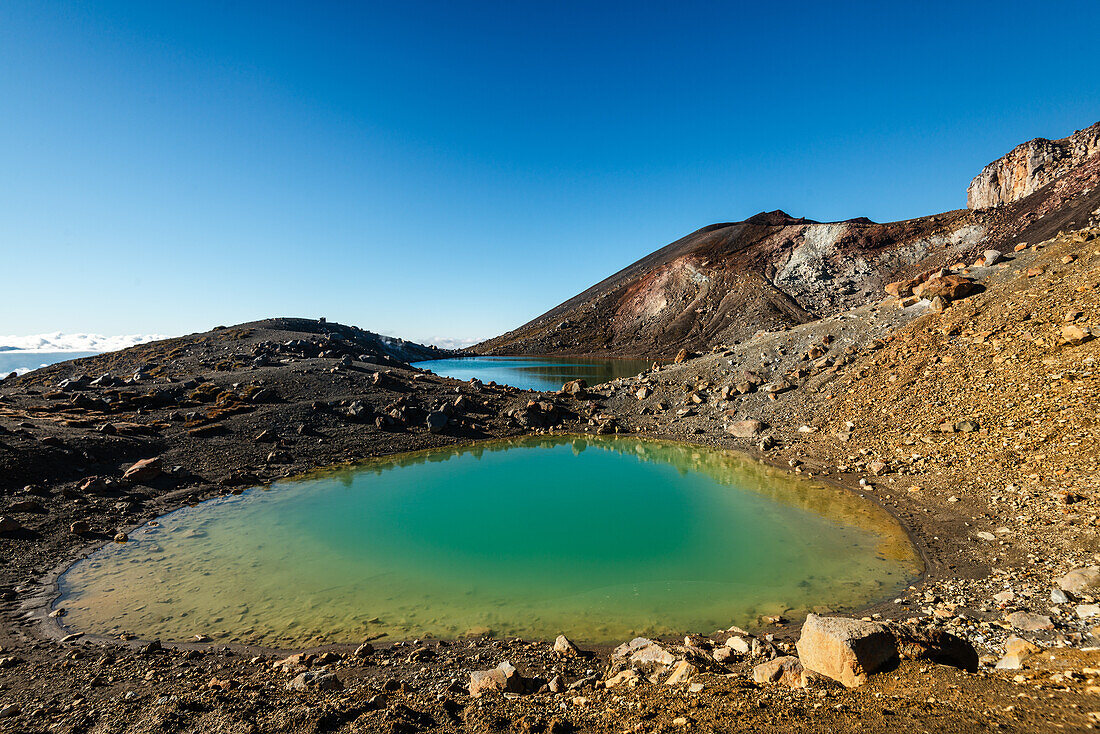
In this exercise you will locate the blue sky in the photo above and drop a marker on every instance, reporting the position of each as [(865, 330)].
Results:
[(452, 169)]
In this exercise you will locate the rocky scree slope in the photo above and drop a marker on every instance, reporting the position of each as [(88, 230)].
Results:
[(726, 282)]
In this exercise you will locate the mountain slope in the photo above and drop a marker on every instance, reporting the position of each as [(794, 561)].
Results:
[(725, 282)]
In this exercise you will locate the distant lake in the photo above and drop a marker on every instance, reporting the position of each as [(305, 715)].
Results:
[(535, 373), (21, 361)]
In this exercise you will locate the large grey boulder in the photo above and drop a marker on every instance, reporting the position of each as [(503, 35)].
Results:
[(846, 650)]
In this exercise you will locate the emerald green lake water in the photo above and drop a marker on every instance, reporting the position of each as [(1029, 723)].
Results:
[(599, 538), (535, 373)]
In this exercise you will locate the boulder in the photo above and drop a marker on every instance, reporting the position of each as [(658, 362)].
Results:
[(787, 670), (1016, 651), (846, 650), (947, 287), (1080, 580), (144, 470), (502, 678), (991, 257)]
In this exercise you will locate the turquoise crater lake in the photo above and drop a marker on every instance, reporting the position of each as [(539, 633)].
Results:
[(535, 373), (600, 538)]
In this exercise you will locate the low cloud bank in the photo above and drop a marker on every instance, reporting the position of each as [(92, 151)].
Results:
[(58, 342), (447, 342)]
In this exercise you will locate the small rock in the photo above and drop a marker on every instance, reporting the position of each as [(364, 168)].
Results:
[(1080, 580), (9, 524), (681, 673), (574, 387), (787, 669), (1072, 335), (502, 678), (436, 421), (320, 680), (143, 471), (1084, 611), (1029, 622), (629, 677), (564, 646), (739, 645), (745, 429)]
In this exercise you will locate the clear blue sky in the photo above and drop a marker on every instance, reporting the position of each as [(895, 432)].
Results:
[(455, 169)]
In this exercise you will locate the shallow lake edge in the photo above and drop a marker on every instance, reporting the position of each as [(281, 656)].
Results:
[(38, 604)]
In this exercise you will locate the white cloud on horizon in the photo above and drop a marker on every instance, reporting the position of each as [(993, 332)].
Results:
[(59, 342), (448, 342)]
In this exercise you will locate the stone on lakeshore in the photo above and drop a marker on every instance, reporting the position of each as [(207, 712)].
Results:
[(1029, 622), (681, 673), (846, 650), (364, 651), (745, 429), (502, 678), (1080, 580), (574, 387), (320, 680), (437, 421), (564, 646), (644, 654), (143, 471), (787, 669), (722, 654), (739, 645)]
